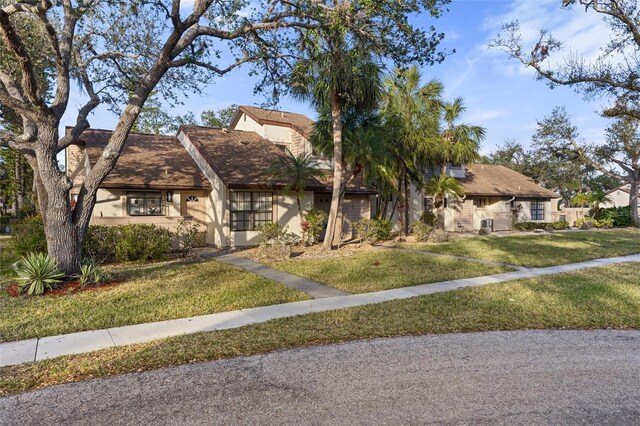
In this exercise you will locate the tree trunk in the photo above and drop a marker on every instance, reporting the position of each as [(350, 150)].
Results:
[(633, 199), (407, 201), (19, 175), (402, 203), (336, 116), (443, 169), (64, 239)]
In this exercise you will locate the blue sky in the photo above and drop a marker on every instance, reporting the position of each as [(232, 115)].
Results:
[(500, 94)]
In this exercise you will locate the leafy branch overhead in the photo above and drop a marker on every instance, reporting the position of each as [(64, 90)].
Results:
[(614, 74)]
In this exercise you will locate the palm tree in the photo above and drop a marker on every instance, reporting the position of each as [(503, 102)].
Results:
[(297, 173), (341, 74), (442, 188), (412, 112), (460, 142)]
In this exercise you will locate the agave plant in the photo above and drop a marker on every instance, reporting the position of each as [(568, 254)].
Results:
[(90, 273), (37, 272)]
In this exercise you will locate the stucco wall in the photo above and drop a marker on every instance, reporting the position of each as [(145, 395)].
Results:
[(76, 165), (618, 197)]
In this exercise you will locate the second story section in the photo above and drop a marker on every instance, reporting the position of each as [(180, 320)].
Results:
[(287, 130)]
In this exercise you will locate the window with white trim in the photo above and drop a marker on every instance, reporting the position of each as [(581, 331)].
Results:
[(144, 203), (250, 209)]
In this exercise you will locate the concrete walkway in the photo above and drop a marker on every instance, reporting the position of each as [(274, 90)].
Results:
[(312, 288), (18, 352), (453, 256)]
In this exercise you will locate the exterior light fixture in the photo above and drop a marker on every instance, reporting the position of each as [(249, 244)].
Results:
[(169, 196)]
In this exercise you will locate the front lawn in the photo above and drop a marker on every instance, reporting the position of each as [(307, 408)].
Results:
[(607, 297), (152, 292), (376, 269), (557, 248)]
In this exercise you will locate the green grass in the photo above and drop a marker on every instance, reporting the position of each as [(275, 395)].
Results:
[(152, 292), (542, 250), (607, 297), (376, 269)]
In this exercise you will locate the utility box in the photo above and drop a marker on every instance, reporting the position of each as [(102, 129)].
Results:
[(502, 221)]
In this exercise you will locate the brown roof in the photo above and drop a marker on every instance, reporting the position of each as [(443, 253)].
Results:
[(299, 122), (146, 162), (241, 159), (493, 180)]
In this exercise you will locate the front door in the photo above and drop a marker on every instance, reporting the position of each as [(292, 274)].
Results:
[(193, 206)]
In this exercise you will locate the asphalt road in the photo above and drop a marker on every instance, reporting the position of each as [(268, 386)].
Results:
[(560, 377)]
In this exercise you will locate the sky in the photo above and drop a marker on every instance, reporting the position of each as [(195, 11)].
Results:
[(500, 94)]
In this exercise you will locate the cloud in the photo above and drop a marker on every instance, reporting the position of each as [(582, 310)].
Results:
[(582, 33)]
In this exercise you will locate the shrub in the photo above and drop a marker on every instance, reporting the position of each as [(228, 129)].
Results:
[(484, 231), (531, 226), (373, 230), (589, 222), (314, 221), (428, 218), (421, 231), (37, 272), (142, 242), (100, 243), (187, 235), (619, 216), (274, 234), (27, 236), (439, 236)]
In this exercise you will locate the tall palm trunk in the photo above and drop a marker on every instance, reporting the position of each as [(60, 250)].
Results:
[(336, 117), (634, 198), (402, 202)]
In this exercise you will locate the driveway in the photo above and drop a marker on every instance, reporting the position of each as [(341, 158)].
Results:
[(530, 377)]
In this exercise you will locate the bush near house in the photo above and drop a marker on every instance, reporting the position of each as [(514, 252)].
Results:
[(373, 230), (589, 223), (28, 236), (531, 226), (117, 243), (619, 216)]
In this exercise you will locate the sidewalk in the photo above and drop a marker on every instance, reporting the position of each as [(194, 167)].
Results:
[(18, 352)]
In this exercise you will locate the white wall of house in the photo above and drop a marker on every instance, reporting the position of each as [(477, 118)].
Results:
[(619, 198)]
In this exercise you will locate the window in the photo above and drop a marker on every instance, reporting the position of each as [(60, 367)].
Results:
[(481, 202), (192, 199), (250, 210), (428, 203), (537, 209), (144, 203)]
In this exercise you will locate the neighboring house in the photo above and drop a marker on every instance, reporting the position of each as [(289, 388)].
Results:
[(495, 196), (619, 197), (216, 177)]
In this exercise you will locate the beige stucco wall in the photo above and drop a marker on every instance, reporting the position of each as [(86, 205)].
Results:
[(619, 198), (76, 163)]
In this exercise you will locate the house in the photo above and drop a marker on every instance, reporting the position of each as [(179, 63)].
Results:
[(496, 197), (216, 177), (219, 179), (619, 197)]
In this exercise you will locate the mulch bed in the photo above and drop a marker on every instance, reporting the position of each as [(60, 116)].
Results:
[(69, 287)]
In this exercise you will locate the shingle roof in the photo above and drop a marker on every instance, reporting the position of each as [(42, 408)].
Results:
[(494, 180), (299, 122), (147, 161), (241, 159)]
